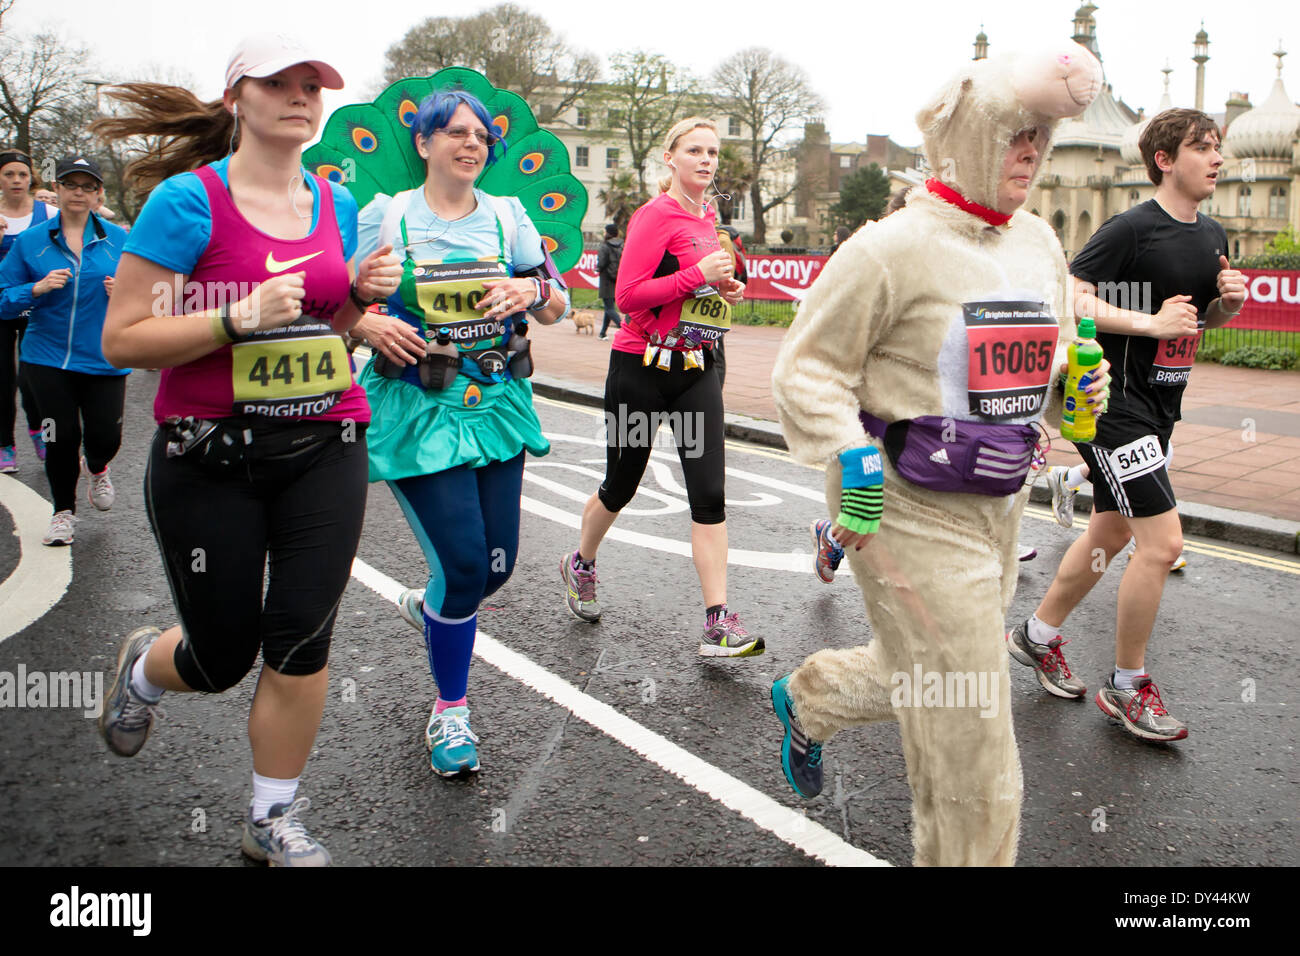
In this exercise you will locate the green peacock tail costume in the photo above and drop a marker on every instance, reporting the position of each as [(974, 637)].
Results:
[(367, 148)]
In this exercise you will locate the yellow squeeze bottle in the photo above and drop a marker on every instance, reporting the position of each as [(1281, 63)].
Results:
[(1078, 421)]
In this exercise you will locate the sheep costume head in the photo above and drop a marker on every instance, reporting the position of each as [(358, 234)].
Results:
[(970, 124)]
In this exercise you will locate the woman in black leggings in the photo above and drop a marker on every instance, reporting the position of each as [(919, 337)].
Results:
[(61, 275), (676, 285), (258, 470)]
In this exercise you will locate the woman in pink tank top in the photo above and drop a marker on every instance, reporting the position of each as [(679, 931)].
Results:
[(235, 283)]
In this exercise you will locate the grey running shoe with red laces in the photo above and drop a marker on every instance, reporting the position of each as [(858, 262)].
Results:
[(1047, 661), (1141, 710)]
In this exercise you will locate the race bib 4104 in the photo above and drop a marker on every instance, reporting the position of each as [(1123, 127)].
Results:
[(449, 294), (1011, 346)]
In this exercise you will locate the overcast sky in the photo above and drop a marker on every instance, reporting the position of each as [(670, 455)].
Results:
[(872, 62)]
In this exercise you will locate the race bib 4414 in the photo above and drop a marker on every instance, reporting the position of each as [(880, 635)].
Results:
[(1011, 345)]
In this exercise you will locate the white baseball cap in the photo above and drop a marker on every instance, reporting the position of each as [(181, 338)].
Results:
[(263, 54)]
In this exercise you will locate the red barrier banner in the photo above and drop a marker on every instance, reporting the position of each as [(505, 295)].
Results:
[(1272, 295), (1272, 301), (778, 278)]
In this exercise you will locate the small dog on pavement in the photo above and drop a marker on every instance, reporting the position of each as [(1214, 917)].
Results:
[(584, 320)]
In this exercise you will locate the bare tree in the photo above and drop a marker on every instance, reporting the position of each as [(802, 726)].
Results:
[(645, 97), (773, 98), (513, 47), (40, 77)]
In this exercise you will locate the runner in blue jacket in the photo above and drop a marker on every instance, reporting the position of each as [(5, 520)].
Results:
[(62, 271)]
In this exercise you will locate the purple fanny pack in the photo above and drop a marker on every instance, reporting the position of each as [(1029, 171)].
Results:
[(944, 454)]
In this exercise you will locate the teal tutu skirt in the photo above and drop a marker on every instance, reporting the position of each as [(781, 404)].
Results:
[(416, 432)]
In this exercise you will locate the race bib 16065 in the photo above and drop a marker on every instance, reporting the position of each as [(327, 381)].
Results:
[(1011, 346)]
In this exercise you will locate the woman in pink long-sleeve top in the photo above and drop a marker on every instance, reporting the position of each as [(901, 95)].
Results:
[(675, 283)]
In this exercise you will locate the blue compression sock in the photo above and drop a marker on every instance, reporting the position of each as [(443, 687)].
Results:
[(450, 645)]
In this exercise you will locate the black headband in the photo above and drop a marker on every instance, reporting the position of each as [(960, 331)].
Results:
[(14, 156)]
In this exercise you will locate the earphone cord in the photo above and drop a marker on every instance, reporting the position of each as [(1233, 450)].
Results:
[(294, 183)]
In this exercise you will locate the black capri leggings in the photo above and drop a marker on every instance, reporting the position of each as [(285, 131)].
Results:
[(215, 530), (637, 399), (80, 410)]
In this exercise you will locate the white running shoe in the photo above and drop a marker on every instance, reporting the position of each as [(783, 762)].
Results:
[(102, 494), (1062, 495), (62, 529)]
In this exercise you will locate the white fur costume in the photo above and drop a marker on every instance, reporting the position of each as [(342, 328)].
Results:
[(882, 330)]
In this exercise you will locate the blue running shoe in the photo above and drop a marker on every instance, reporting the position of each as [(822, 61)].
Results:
[(801, 758), (451, 743), (829, 556)]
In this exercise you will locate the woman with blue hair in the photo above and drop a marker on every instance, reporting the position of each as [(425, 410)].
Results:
[(452, 410)]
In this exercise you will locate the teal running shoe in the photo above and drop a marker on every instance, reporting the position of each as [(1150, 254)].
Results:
[(451, 743), (801, 758)]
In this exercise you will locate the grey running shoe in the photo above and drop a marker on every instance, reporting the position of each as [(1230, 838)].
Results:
[(127, 718), (62, 530), (1062, 495), (726, 638), (101, 490), (1141, 709), (580, 589), (281, 839), (411, 606), (1047, 661)]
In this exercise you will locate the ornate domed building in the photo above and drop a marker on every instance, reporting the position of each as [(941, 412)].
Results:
[(1095, 169), (1259, 187)]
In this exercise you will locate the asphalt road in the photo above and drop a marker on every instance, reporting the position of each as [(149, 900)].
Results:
[(587, 781)]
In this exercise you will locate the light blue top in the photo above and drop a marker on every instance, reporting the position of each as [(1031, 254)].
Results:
[(472, 237)]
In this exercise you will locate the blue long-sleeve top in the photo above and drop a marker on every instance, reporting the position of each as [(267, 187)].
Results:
[(64, 326)]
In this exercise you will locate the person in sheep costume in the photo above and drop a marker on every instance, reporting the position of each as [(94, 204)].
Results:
[(937, 337)]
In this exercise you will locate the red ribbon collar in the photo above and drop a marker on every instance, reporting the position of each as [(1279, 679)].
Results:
[(950, 195)]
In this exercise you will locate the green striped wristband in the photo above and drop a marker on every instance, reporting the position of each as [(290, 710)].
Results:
[(860, 509)]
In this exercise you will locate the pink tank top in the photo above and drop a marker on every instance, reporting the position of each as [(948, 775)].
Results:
[(301, 371)]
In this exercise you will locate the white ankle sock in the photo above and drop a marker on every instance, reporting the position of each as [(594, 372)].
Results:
[(268, 791), (1124, 677), (140, 684), (1039, 632), (1075, 476)]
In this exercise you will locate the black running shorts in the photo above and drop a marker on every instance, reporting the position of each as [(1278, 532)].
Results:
[(1131, 478)]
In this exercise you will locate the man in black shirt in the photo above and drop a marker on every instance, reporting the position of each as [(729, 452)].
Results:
[(1154, 278)]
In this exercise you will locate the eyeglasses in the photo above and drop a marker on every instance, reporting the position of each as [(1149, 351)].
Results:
[(461, 133), (88, 188)]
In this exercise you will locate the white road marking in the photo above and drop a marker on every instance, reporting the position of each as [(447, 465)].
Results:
[(800, 562), (794, 828), (43, 573)]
